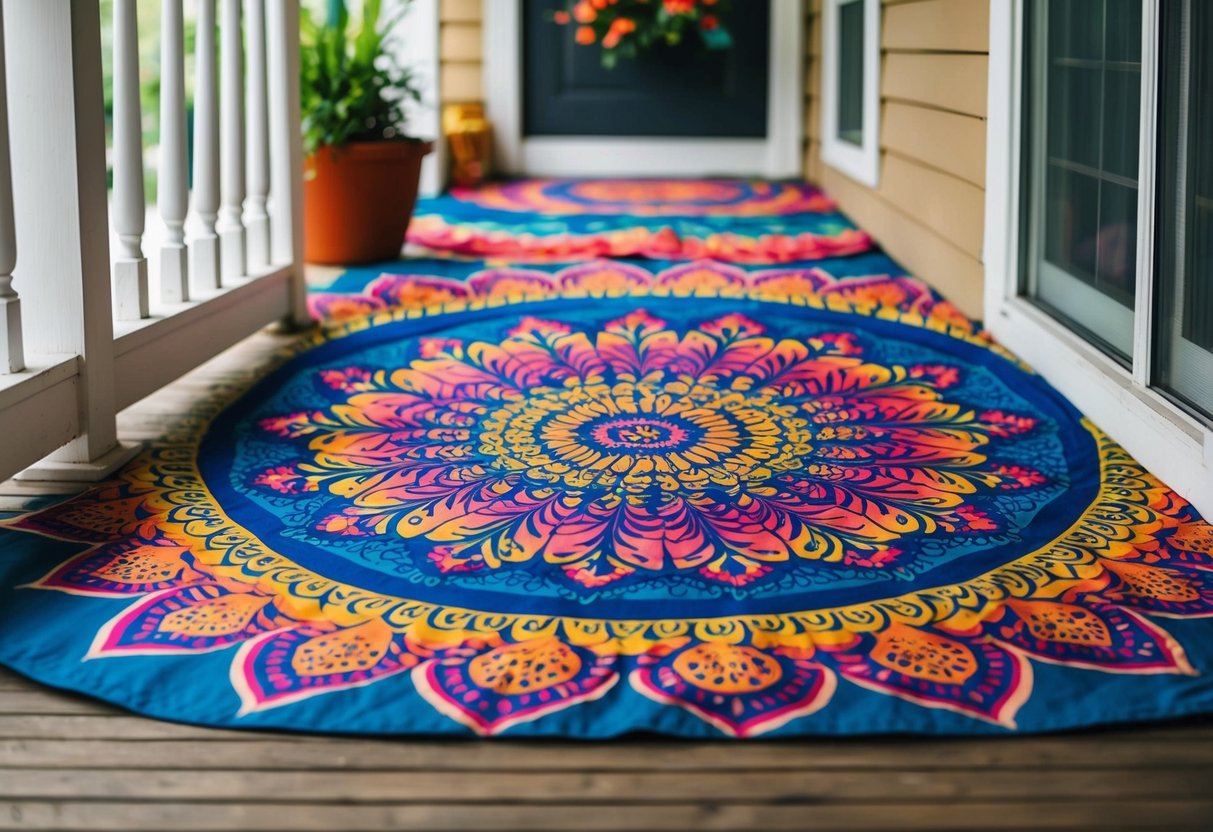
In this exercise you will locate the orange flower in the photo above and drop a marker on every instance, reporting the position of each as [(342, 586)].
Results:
[(583, 12), (599, 4), (619, 27), (585, 35), (561, 17), (673, 7)]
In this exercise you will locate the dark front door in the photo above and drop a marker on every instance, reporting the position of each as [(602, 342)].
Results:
[(686, 90)]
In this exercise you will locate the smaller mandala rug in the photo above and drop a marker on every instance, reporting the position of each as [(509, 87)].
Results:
[(544, 220), (580, 502)]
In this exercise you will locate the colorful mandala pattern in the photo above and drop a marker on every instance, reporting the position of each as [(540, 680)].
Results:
[(639, 449), (531, 436), (649, 197), (763, 243), (899, 294), (735, 221)]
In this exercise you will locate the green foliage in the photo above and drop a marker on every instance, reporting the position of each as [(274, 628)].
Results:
[(353, 87)]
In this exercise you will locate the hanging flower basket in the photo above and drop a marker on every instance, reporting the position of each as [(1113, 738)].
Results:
[(626, 28)]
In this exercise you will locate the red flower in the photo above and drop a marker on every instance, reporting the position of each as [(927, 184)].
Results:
[(673, 7), (709, 22), (585, 35)]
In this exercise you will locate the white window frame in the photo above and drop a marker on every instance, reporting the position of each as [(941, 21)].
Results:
[(1169, 441), (778, 155), (861, 163)]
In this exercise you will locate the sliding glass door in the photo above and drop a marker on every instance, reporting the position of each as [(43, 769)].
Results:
[(1083, 108), (1184, 323), (1094, 199)]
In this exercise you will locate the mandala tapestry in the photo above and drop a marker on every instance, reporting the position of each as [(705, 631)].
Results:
[(701, 501)]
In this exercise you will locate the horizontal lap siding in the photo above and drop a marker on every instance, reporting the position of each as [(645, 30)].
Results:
[(928, 210), (461, 51)]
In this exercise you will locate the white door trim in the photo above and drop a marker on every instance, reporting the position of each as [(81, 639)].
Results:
[(860, 162), (779, 155), (1164, 438)]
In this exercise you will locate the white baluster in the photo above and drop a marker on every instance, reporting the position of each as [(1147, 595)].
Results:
[(204, 266), (130, 266), (173, 185), (12, 351), (231, 222), (53, 60), (257, 218), (286, 160)]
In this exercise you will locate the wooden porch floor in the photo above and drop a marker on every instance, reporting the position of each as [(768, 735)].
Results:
[(70, 763)]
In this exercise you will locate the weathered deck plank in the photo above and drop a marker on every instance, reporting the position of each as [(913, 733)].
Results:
[(634, 787), (118, 815)]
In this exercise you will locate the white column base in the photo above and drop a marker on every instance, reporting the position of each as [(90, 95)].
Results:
[(95, 470), (258, 236), (174, 274), (130, 290), (233, 244), (12, 343), (204, 266)]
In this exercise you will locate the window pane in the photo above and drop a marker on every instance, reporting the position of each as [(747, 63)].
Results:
[(850, 72), (1082, 115), (1184, 333)]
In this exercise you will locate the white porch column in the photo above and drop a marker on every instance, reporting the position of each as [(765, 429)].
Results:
[(204, 267), (130, 266), (12, 349), (54, 73), (172, 193), (286, 162), (257, 218), (231, 96)]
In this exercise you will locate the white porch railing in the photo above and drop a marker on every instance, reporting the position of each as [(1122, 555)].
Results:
[(81, 337)]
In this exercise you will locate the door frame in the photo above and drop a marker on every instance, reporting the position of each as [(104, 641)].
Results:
[(1165, 438), (779, 155)]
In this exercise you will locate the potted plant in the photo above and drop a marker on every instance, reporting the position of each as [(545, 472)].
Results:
[(360, 170)]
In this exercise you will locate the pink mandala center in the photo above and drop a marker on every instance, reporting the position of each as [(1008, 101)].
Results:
[(639, 434)]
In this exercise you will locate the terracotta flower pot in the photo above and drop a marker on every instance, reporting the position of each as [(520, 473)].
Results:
[(358, 200)]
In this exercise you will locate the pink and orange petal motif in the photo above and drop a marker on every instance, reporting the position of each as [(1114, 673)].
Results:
[(975, 678), (1095, 635), (122, 569), (336, 306), (706, 276), (740, 690), (507, 282), (604, 277), (415, 291), (197, 618), (293, 664), (1183, 591), (490, 688)]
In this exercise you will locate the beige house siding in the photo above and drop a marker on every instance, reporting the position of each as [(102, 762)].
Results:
[(928, 210), (460, 51), (929, 207)]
